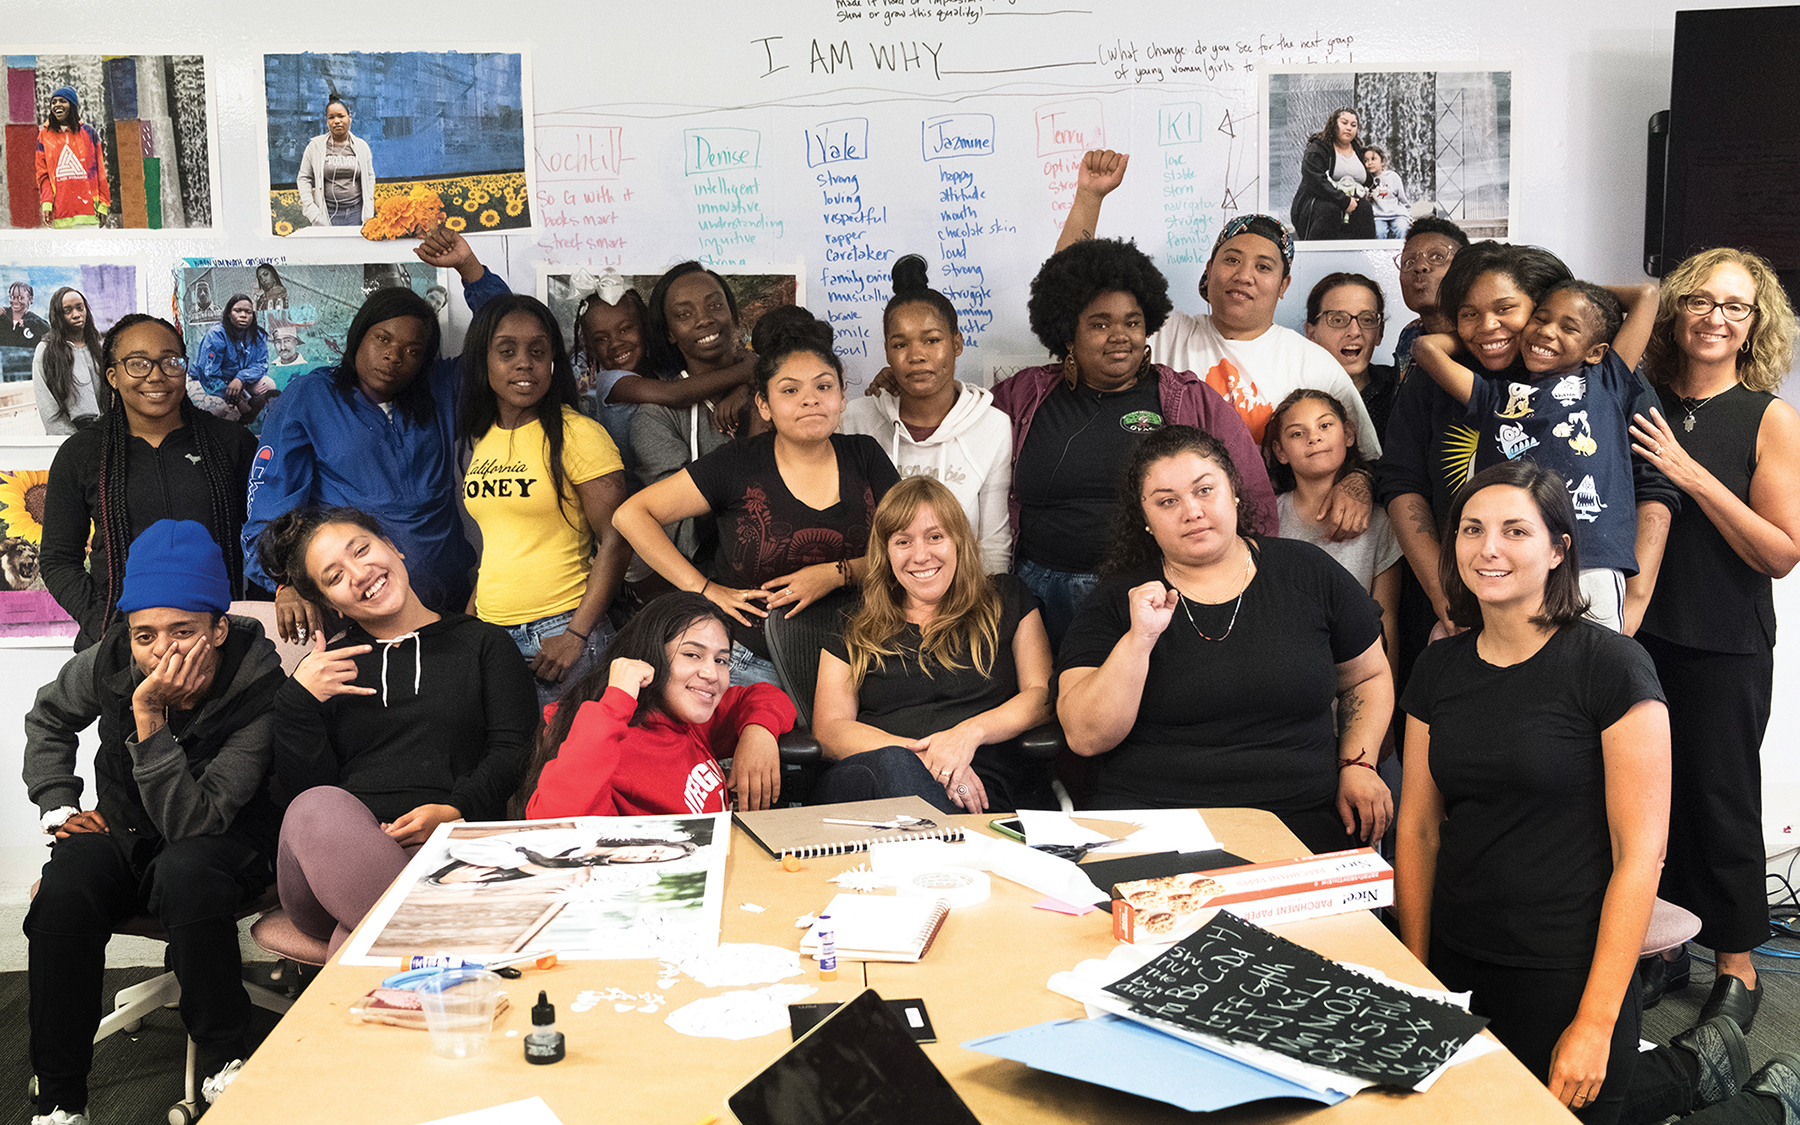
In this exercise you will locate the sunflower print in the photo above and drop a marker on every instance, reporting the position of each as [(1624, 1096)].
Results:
[(22, 503)]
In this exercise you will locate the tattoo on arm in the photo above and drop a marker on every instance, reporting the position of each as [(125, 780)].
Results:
[(1356, 486), (1350, 705), (1085, 236)]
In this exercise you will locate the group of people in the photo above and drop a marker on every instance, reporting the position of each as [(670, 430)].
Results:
[(1185, 539)]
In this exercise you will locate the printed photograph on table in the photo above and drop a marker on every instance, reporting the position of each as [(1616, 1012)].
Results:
[(252, 325), (27, 611), (50, 329), (388, 144), (1355, 154), (108, 141), (589, 888), (564, 288)]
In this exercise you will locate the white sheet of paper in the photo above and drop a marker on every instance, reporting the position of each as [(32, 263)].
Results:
[(742, 962), (530, 1111), (739, 1015), (1160, 830), (1047, 826)]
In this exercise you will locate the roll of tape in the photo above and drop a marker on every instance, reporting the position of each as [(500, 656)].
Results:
[(958, 885)]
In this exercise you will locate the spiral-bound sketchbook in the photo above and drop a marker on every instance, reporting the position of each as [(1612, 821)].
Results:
[(803, 831), (879, 927)]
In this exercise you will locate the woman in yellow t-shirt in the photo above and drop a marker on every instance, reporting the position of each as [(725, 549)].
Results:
[(542, 482)]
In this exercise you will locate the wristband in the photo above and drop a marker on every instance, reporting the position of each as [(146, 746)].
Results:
[(1345, 763), (843, 572), (703, 587), (571, 630), (56, 818)]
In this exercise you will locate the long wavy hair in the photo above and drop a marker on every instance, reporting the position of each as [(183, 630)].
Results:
[(1133, 544), (59, 357), (966, 630), (1281, 476), (1769, 348), (480, 408)]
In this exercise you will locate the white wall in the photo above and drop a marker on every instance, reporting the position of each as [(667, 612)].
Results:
[(1586, 79)]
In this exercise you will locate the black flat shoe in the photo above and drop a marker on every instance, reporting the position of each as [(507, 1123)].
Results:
[(1731, 999), (1723, 1057), (1658, 976), (1779, 1078)]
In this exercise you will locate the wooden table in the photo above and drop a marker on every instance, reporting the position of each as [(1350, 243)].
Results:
[(985, 974)]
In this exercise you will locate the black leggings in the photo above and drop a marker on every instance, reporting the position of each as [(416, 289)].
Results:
[(1528, 1009)]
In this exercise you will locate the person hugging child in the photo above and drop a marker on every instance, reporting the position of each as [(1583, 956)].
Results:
[(1580, 351), (1393, 209)]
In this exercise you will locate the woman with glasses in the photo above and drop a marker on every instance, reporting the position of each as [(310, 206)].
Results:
[(1345, 314), (1722, 342), (152, 456)]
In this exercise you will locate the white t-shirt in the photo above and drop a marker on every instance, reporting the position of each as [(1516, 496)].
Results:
[(1255, 375), (1364, 557)]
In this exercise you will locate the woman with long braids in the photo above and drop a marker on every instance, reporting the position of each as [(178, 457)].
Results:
[(153, 456), (65, 369)]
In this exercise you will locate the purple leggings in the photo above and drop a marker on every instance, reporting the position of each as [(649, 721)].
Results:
[(334, 862)]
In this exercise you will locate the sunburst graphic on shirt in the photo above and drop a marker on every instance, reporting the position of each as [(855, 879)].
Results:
[(1460, 443)]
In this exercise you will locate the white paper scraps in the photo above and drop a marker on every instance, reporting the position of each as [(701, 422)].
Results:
[(1160, 830), (622, 1001), (1047, 826), (739, 1015), (750, 908), (861, 879), (806, 921), (530, 1111), (512, 1033), (897, 860), (734, 963)]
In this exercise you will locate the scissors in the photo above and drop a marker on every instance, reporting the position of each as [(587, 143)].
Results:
[(901, 821)]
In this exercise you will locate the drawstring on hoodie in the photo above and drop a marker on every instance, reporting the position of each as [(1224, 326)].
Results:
[(387, 646)]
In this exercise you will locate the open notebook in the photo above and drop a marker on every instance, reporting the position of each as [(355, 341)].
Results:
[(804, 832), (880, 927)]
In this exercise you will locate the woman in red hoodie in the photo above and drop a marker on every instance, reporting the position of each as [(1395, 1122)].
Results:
[(622, 750)]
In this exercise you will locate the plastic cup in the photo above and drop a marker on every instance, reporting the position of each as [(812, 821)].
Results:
[(459, 1010)]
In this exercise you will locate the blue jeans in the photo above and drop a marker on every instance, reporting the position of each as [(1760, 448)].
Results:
[(346, 217), (748, 668), (1391, 226), (530, 638), (892, 771), (1061, 591)]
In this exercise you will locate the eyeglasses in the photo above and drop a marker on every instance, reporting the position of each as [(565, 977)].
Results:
[(140, 366), (1696, 305), (1436, 259), (1338, 320)]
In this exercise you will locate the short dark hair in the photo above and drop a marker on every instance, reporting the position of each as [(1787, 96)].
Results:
[(385, 304), (282, 544), (1131, 543), (1331, 281), (912, 287), (786, 331), (1563, 600), (1071, 278), (1605, 314), (1377, 150), (1432, 224), (1533, 269), (662, 358)]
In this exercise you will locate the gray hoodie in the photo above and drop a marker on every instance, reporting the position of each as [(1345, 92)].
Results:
[(970, 454)]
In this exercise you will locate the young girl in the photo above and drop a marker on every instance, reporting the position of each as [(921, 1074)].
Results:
[(793, 506), (643, 733), (154, 456), (542, 484), (934, 425), (65, 369), (1309, 448), (231, 378), (375, 749)]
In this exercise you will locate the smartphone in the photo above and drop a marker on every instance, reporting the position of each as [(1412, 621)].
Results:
[(1011, 828)]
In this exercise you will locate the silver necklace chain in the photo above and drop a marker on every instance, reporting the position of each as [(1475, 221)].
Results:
[(1237, 603)]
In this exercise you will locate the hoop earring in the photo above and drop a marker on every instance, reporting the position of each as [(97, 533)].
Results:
[(1071, 371)]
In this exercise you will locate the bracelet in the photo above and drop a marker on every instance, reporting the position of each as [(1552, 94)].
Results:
[(703, 587), (1344, 763), (571, 629), (843, 572)]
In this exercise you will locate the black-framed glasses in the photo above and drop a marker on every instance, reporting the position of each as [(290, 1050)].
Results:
[(1694, 304), (1337, 320), (140, 366), (1436, 259)]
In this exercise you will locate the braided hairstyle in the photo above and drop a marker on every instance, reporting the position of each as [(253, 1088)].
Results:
[(113, 521)]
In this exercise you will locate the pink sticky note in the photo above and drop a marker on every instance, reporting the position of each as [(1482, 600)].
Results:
[(1062, 907)]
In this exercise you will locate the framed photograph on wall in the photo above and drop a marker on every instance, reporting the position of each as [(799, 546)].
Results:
[(1354, 154), (61, 298)]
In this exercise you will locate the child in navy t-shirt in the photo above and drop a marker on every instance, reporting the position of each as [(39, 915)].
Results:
[(1573, 416)]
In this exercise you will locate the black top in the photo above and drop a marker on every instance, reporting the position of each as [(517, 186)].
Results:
[(1067, 475), (1246, 720), (449, 724), (765, 532), (1707, 597), (910, 700), (1525, 853), (1378, 395), (163, 482)]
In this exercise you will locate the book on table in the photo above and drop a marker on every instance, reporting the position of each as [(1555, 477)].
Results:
[(809, 831), (880, 927)]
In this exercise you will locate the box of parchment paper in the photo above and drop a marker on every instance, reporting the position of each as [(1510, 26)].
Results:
[(1287, 890)]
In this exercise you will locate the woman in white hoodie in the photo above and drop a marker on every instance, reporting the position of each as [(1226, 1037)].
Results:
[(937, 426)]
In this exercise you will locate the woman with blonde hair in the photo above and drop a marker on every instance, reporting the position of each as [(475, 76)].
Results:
[(1723, 340), (939, 667)]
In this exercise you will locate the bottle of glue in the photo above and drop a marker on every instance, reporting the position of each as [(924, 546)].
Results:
[(827, 949), (544, 1044)]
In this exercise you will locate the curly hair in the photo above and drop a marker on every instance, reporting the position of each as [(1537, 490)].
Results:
[(1533, 269), (1071, 278), (967, 622), (1604, 314), (282, 545), (1132, 543), (1432, 224), (1563, 599), (1768, 350), (1329, 134), (784, 332), (1282, 475)]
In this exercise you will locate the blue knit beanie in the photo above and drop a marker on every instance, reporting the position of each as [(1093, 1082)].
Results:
[(175, 565), (69, 93)]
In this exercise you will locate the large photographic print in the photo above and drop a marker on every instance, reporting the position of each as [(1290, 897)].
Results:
[(1443, 140)]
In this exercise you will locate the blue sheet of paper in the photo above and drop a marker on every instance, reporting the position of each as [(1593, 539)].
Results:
[(1118, 1053)]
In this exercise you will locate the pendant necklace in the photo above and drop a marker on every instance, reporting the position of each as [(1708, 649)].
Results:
[(1237, 603), (1693, 405)]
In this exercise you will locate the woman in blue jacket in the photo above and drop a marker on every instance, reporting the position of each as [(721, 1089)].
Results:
[(377, 432), (230, 377)]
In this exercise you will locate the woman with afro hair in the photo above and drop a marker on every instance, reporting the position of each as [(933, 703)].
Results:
[(1076, 421)]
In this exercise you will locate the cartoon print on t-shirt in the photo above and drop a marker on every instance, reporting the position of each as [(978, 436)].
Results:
[(1518, 401), (1570, 389), (1513, 441), (1241, 393), (1579, 433), (1586, 498), (1461, 442)]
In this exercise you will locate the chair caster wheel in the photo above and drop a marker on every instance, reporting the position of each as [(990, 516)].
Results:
[(31, 1088), (133, 1027), (182, 1113)]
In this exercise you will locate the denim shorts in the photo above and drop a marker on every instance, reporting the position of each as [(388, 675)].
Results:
[(530, 637)]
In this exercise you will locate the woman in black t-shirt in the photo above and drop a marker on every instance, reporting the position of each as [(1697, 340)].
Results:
[(939, 665), (1204, 667), (1536, 798)]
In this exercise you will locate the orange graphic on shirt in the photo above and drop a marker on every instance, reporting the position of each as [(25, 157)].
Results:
[(1243, 396)]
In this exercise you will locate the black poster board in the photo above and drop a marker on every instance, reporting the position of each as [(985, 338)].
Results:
[(1238, 981)]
